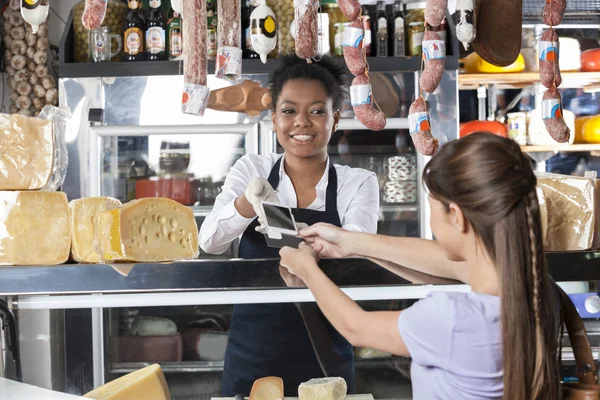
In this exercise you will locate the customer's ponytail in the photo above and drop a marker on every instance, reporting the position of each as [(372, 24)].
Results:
[(492, 182)]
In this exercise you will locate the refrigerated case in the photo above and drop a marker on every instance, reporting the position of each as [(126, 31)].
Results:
[(130, 140)]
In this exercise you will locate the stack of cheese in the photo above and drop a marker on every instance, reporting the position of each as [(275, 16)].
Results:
[(151, 230), (39, 227), (34, 225)]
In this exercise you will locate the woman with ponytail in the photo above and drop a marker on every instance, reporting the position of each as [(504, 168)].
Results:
[(497, 342)]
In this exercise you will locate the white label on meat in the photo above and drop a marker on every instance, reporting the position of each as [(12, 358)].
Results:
[(195, 98), (418, 121), (229, 63), (548, 51), (353, 37), (360, 94), (551, 108), (434, 50)]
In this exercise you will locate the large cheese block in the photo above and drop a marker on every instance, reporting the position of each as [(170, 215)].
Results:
[(269, 388), (144, 384), (323, 389), (570, 210), (26, 152), (34, 228), (84, 220), (148, 230)]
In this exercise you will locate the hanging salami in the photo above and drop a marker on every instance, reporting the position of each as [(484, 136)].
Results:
[(195, 89), (229, 34)]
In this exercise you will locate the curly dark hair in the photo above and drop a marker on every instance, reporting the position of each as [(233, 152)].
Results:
[(328, 71)]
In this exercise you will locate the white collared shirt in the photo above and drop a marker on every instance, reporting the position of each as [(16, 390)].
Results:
[(357, 200)]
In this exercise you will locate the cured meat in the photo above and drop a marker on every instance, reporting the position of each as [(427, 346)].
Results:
[(229, 33), (93, 14), (362, 103), (434, 54), (305, 14), (353, 45), (553, 116), (350, 8), (548, 55), (435, 11), (419, 127), (554, 11), (195, 91)]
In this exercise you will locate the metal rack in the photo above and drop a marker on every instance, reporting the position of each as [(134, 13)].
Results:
[(578, 11)]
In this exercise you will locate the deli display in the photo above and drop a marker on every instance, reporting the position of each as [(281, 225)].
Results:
[(102, 197)]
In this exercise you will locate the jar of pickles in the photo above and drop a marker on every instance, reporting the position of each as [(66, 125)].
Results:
[(415, 28), (284, 12), (116, 12), (337, 20)]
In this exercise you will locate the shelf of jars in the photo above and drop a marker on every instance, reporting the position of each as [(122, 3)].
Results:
[(69, 68)]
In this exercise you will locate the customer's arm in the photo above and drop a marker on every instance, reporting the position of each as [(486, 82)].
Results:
[(423, 255)]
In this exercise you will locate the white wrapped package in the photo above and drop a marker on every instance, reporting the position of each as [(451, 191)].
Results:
[(323, 389), (33, 151), (571, 212)]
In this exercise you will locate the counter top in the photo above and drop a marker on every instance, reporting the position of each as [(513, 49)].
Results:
[(236, 274)]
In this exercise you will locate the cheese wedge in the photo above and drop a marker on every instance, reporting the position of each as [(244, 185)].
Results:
[(144, 384), (323, 389), (84, 217), (26, 152), (269, 388), (153, 230), (34, 228)]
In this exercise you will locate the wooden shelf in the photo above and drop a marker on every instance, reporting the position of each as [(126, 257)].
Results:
[(561, 148), (522, 79)]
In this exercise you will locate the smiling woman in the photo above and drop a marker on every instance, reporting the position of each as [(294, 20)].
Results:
[(274, 339)]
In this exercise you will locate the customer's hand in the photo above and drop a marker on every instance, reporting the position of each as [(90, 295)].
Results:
[(328, 240), (300, 261), (257, 191)]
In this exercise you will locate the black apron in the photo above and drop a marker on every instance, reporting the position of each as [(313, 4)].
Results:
[(292, 341)]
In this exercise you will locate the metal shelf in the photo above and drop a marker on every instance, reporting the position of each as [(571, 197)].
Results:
[(561, 148), (184, 367), (70, 69), (523, 79), (201, 211), (392, 208)]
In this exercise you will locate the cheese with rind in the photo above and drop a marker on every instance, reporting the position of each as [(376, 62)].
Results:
[(268, 388), (34, 228), (152, 230), (84, 220), (144, 384), (26, 152), (323, 389)]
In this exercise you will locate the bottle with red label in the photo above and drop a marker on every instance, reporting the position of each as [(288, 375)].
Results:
[(156, 33), (133, 37)]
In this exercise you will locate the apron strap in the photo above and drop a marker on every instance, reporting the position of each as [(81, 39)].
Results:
[(332, 184)]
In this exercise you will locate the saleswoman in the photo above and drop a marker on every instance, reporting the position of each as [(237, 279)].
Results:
[(272, 339)]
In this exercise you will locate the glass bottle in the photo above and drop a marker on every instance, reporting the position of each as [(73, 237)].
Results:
[(381, 28), (175, 36), (133, 37), (398, 47), (155, 33)]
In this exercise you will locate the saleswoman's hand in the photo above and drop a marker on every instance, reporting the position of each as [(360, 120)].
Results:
[(300, 261), (328, 240)]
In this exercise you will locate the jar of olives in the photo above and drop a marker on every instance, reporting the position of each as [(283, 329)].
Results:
[(415, 28), (116, 12), (336, 19), (284, 12)]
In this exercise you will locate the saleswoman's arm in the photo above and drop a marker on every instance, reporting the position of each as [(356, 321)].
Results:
[(231, 213), (376, 330)]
